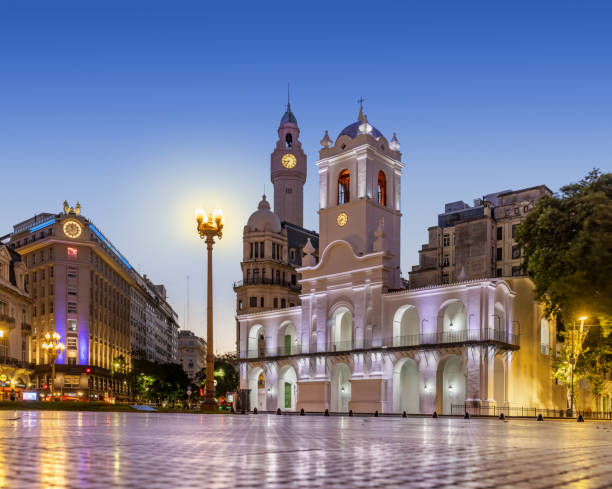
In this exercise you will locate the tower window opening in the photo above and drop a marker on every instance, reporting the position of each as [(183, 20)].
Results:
[(344, 187), (289, 141), (382, 188)]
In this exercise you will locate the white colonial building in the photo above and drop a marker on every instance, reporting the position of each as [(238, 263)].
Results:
[(361, 339)]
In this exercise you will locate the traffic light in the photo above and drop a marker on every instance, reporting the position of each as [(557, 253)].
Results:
[(88, 370), (46, 386)]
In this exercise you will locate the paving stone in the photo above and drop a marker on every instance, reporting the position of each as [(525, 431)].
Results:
[(137, 450)]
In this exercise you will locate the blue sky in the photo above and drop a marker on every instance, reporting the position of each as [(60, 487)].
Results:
[(143, 111)]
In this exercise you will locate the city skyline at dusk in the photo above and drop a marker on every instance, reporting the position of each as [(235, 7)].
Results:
[(144, 114)]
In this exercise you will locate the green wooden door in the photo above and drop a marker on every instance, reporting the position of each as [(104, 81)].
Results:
[(287, 344), (287, 395)]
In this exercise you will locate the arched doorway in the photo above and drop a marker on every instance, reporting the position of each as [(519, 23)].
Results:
[(256, 342), (258, 388), (287, 388), (406, 326), (452, 321), (342, 330), (288, 340), (406, 386), (499, 381), (450, 384), (340, 388)]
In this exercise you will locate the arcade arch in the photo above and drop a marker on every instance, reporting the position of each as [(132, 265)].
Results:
[(406, 386), (450, 383), (340, 388), (287, 388), (406, 326)]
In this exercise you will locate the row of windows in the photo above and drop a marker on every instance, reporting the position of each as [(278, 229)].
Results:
[(517, 211), (344, 188), (253, 276), (500, 231), (275, 301), (516, 253)]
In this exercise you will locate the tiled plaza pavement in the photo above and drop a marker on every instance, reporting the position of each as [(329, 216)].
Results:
[(148, 450)]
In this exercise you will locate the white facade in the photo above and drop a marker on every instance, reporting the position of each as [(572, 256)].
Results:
[(359, 341)]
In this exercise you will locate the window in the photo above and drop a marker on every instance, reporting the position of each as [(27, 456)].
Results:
[(71, 307), (514, 227), (277, 277), (445, 261), (498, 272), (240, 305), (293, 279), (276, 303), (344, 187), (507, 212), (516, 252), (261, 302), (33, 276), (261, 250), (71, 290), (256, 275), (517, 211), (253, 301), (516, 271), (71, 341), (526, 209), (51, 272), (72, 272), (72, 324), (288, 140), (499, 254), (248, 276), (446, 240), (273, 251), (251, 255), (292, 253), (42, 308), (283, 303), (500, 232), (445, 278), (382, 188), (51, 307)]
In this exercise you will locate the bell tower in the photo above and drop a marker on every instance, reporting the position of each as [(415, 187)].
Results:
[(288, 171)]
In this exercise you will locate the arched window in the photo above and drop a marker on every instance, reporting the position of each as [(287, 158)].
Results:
[(344, 187), (288, 140), (382, 188)]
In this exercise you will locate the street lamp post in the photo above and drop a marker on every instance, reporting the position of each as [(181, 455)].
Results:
[(210, 225), (54, 347), (582, 319)]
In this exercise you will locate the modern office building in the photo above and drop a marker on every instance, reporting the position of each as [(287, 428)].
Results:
[(191, 352), (475, 242), (15, 328), (82, 287), (360, 339)]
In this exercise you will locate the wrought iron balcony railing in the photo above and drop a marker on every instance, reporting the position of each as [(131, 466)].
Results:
[(428, 340), (268, 281), (10, 320)]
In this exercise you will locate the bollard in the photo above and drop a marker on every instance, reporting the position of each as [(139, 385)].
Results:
[(435, 414), (404, 415), (501, 416), (540, 418), (327, 412), (580, 418), (302, 412), (376, 413), (466, 415), (350, 412), (279, 412), (232, 410), (242, 411), (254, 410)]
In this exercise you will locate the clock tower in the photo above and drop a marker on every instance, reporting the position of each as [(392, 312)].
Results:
[(288, 171)]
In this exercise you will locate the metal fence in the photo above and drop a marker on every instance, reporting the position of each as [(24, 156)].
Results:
[(427, 339), (521, 411)]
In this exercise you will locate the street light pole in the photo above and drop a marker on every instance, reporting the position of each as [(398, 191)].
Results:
[(208, 229), (573, 359), (54, 347)]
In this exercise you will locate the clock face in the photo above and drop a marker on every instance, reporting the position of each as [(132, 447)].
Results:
[(72, 229), (342, 219), (288, 160)]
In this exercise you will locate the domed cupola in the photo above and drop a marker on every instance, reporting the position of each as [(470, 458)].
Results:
[(361, 126), (264, 219)]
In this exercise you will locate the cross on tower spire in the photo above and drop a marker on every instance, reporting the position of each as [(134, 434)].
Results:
[(360, 102)]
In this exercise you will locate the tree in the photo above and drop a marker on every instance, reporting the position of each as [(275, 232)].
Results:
[(226, 375), (567, 247)]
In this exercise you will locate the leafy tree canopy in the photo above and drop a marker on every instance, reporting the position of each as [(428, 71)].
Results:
[(567, 245)]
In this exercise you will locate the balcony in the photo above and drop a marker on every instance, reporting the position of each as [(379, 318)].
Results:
[(15, 362), (427, 341), (7, 321), (26, 328), (268, 281)]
